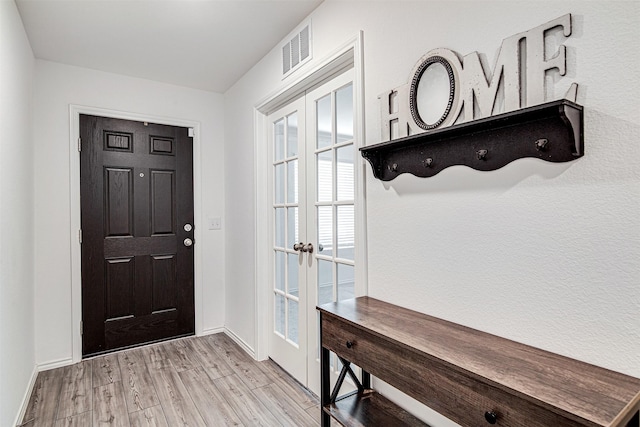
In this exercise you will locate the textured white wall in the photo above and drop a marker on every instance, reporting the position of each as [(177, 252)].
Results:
[(56, 87), (17, 353), (546, 254), (541, 253)]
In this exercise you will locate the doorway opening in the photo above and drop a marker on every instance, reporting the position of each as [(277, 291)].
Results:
[(311, 235)]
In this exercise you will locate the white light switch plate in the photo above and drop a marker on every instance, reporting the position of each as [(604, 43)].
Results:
[(215, 223)]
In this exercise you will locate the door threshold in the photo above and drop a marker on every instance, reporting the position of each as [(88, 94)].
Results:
[(143, 344)]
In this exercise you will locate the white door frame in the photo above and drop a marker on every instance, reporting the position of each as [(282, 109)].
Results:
[(74, 175), (349, 55)]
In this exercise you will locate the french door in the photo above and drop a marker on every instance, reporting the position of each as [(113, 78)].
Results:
[(313, 213), (288, 341)]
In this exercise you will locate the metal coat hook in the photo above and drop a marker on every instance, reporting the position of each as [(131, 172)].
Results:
[(541, 144)]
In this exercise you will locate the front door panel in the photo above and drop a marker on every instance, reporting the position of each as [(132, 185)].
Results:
[(136, 195)]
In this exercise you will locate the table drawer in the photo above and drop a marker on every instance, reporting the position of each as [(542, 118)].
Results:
[(457, 395), (348, 342)]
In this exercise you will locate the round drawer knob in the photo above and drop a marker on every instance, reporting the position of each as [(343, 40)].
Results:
[(349, 344), (491, 417)]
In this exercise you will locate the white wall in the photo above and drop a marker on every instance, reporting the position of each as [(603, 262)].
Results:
[(546, 254), (17, 354), (56, 87)]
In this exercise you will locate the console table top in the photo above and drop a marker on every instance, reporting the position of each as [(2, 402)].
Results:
[(595, 394)]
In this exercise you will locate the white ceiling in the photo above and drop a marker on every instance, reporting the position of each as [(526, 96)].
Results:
[(206, 44)]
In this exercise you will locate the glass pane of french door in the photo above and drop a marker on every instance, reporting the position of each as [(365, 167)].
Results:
[(287, 344), (331, 201), (334, 202)]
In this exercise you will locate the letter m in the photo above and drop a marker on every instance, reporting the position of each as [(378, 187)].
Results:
[(481, 89)]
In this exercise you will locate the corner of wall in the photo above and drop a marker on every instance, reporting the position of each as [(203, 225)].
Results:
[(17, 330), (25, 398)]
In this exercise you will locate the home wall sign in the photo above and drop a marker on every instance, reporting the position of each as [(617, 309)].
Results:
[(454, 111)]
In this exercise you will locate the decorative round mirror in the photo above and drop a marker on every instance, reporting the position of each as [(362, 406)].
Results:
[(432, 92)]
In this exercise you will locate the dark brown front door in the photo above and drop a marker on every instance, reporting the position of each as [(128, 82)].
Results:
[(136, 187)]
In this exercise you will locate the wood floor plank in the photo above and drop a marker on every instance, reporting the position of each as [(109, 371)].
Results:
[(244, 366), (80, 420), (208, 399), (314, 412), (76, 393), (249, 409), (140, 393), (283, 407), (180, 355), (202, 349), (296, 391), (109, 406), (176, 402), (156, 357), (106, 370), (43, 403), (150, 417)]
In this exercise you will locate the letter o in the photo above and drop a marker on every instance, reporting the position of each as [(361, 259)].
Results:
[(450, 61)]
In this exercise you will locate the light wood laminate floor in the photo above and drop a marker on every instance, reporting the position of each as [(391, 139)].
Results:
[(204, 381)]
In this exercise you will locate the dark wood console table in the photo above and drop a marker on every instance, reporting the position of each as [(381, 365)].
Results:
[(471, 377)]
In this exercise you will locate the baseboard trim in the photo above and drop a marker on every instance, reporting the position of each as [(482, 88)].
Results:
[(55, 364), (26, 397), (211, 331), (246, 347)]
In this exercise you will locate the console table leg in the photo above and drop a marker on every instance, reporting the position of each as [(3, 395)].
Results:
[(366, 380), (325, 383)]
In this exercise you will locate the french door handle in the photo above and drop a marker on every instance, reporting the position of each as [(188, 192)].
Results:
[(303, 248)]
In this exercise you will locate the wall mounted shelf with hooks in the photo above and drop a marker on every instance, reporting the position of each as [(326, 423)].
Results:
[(553, 132)]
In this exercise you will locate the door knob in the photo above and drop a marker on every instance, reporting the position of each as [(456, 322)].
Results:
[(308, 248), (298, 247), (188, 242), (188, 227)]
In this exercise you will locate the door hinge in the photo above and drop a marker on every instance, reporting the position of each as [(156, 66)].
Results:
[(80, 236), (79, 144)]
